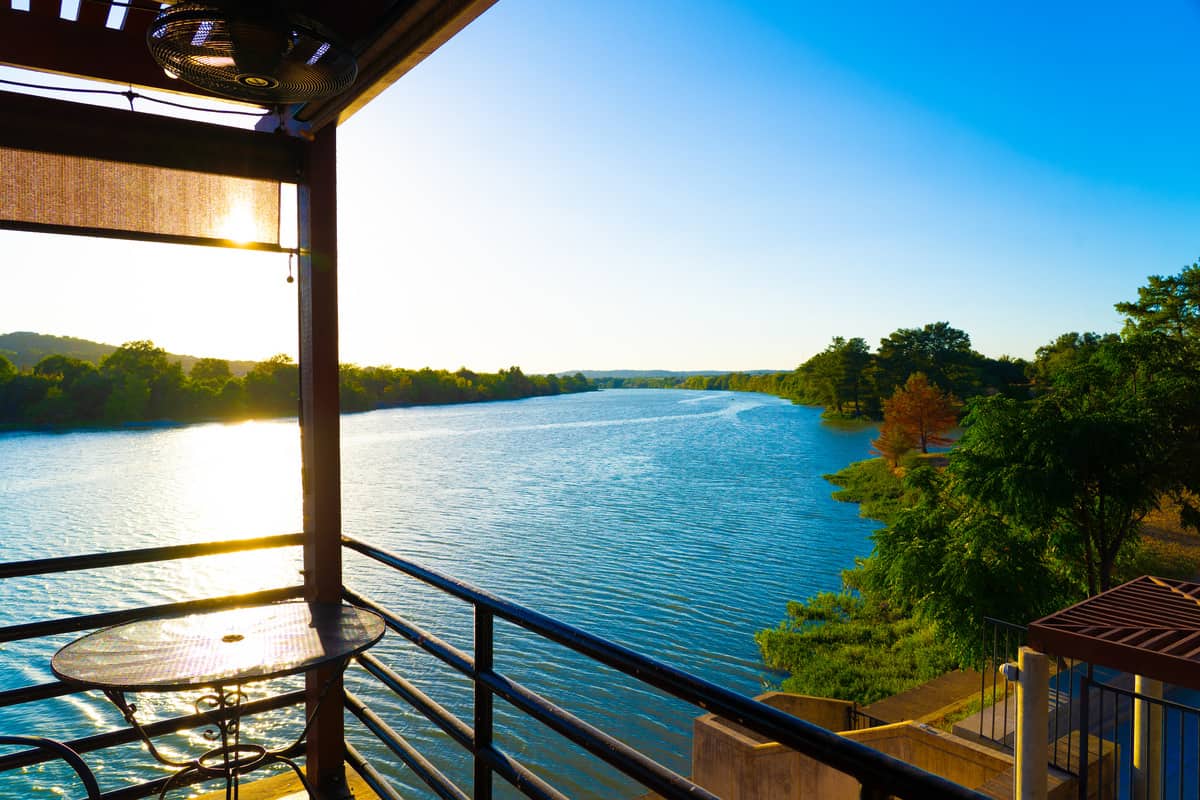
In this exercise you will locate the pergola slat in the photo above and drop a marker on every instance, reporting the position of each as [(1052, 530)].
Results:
[(1145, 627)]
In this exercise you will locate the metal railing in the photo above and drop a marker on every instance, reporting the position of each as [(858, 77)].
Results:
[(1001, 640), (1134, 746), (997, 723), (125, 735), (858, 720), (880, 775)]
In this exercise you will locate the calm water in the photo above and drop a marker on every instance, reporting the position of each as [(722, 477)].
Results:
[(676, 523)]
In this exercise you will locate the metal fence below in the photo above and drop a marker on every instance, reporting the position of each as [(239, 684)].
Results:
[(997, 700), (1139, 746)]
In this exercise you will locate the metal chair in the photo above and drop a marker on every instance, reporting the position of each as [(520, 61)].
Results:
[(66, 754)]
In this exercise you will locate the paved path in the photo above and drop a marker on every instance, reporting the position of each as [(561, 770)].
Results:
[(930, 700)]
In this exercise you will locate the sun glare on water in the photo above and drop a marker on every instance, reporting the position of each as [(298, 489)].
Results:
[(243, 480)]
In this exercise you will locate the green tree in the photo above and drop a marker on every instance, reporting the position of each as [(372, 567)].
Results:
[(145, 384), (837, 376), (1084, 472), (273, 387), (77, 393), (951, 561), (1169, 306), (7, 370), (939, 350), (1068, 351), (213, 371)]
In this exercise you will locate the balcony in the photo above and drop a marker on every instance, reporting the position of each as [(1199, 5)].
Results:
[(105, 172), (374, 750)]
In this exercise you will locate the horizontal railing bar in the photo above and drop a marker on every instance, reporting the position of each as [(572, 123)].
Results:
[(1003, 623), (1158, 701), (379, 784), (633, 763), (422, 638), (85, 622), (519, 775), (434, 711), (867, 765), (154, 787), (30, 694), (126, 735), (442, 786), (46, 566)]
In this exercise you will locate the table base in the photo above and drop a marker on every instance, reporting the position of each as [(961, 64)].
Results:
[(231, 758)]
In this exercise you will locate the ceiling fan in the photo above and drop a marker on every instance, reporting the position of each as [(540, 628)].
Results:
[(259, 52)]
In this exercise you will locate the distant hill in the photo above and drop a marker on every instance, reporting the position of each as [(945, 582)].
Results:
[(593, 374), (25, 349)]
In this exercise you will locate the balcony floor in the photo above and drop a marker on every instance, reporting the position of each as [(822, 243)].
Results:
[(287, 787)]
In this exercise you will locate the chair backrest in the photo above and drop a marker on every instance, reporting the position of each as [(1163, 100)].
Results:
[(65, 753)]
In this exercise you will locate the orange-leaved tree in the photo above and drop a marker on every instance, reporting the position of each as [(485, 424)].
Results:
[(921, 409), (893, 442)]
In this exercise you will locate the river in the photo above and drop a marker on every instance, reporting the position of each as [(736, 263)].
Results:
[(675, 523)]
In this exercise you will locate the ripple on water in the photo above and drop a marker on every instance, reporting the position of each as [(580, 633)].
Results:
[(675, 523)]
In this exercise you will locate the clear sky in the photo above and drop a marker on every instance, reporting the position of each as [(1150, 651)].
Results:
[(710, 185)]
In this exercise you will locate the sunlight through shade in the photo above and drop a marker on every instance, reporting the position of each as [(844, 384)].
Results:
[(48, 190)]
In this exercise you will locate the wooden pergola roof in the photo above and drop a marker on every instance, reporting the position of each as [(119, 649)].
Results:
[(389, 38), (1149, 626)]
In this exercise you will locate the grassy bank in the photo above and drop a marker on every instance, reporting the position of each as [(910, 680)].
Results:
[(865, 645)]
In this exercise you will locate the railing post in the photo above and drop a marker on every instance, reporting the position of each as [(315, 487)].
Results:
[(320, 443), (984, 668), (484, 623), (1033, 725), (1085, 741), (1147, 738)]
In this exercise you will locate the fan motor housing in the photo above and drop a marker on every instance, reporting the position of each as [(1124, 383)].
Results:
[(259, 53)]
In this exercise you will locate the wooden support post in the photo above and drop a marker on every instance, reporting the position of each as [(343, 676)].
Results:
[(320, 438), (1033, 725)]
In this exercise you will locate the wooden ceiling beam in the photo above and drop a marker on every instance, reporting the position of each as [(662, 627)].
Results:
[(55, 126), (93, 14), (43, 42)]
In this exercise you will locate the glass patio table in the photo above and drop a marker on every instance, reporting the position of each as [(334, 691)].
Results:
[(219, 651)]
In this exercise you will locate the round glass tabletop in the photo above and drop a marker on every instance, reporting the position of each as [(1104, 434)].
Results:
[(218, 648)]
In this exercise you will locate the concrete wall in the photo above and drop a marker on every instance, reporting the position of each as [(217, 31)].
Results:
[(736, 764), (936, 751)]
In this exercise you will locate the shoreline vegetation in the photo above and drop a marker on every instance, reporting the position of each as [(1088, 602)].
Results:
[(138, 384), (1082, 476), (852, 383)]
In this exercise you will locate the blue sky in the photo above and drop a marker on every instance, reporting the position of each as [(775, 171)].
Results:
[(719, 185)]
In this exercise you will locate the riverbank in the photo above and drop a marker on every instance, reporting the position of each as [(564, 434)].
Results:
[(867, 642), (137, 384)]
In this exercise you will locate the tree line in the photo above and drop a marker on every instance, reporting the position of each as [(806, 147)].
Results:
[(139, 383), (851, 381), (1039, 504)]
